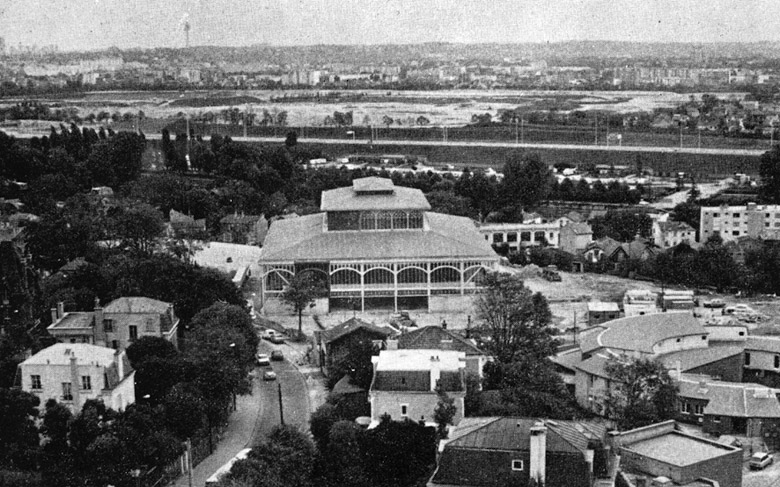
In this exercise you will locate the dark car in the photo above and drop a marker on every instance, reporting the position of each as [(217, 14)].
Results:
[(277, 355)]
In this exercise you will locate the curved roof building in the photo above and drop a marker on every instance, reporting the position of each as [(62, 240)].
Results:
[(377, 246)]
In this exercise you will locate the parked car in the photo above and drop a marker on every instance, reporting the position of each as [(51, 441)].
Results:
[(551, 273), (272, 336), (760, 460), (269, 375), (714, 303), (263, 359), (277, 355)]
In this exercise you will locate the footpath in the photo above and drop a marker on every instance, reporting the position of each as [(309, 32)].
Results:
[(237, 436)]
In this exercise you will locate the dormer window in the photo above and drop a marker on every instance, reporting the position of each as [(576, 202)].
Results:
[(108, 325)]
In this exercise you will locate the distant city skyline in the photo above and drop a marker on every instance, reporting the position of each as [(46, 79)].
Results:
[(99, 24)]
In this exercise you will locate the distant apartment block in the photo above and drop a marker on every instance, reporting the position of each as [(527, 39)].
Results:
[(733, 222), (73, 373)]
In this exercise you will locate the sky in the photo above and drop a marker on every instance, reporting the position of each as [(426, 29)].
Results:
[(98, 24)]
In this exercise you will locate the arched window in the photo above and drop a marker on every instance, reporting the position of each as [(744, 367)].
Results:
[(412, 275), (445, 274), (378, 276), (344, 277)]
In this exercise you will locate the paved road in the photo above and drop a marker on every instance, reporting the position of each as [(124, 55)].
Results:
[(612, 148), (256, 415)]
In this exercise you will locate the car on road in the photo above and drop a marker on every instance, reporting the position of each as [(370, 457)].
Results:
[(272, 336), (263, 359), (269, 375), (760, 460), (714, 303), (277, 355)]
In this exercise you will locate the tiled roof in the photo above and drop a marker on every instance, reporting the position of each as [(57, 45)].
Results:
[(579, 228), (74, 320), (60, 354), (415, 381), (351, 199), (568, 359), (304, 239), (435, 337), (350, 326), (346, 386), (514, 434), (241, 219), (693, 358), (763, 344), (642, 332), (734, 399), (595, 365), (136, 305), (674, 226)]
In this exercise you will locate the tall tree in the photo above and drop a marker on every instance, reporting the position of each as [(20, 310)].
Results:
[(302, 293), (643, 392), (444, 412), (526, 182), (769, 169), (515, 320)]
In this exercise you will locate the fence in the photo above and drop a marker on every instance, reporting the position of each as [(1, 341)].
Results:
[(201, 448)]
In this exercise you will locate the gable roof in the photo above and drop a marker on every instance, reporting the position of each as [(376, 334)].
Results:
[(734, 399), (578, 228), (507, 433), (607, 244), (674, 226), (373, 194), (305, 239), (436, 337), (60, 354), (693, 358), (762, 344), (350, 326), (136, 304)]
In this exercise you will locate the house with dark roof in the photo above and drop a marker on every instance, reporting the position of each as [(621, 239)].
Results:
[(605, 248), (116, 325), (377, 246), (335, 343), (575, 237), (405, 381), (487, 452), (668, 234), (438, 338), (244, 229), (182, 224)]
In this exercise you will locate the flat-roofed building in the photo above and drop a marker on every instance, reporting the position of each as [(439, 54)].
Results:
[(732, 222), (662, 450), (73, 373), (376, 246)]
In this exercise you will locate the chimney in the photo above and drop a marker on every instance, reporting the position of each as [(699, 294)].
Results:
[(60, 309), (702, 386), (98, 330), (54, 317), (392, 344), (120, 364), (75, 382), (435, 372), (538, 453)]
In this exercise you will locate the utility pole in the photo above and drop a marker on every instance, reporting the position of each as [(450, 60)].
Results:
[(188, 444), (596, 131), (521, 131), (681, 144), (281, 411)]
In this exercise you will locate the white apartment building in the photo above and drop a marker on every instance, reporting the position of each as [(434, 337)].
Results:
[(732, 222), (73, 373)]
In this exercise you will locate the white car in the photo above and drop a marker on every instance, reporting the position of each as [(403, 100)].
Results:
[(760, 460), (263, 359)]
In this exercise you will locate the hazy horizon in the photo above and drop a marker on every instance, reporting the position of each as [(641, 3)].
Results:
[(89, 25)]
